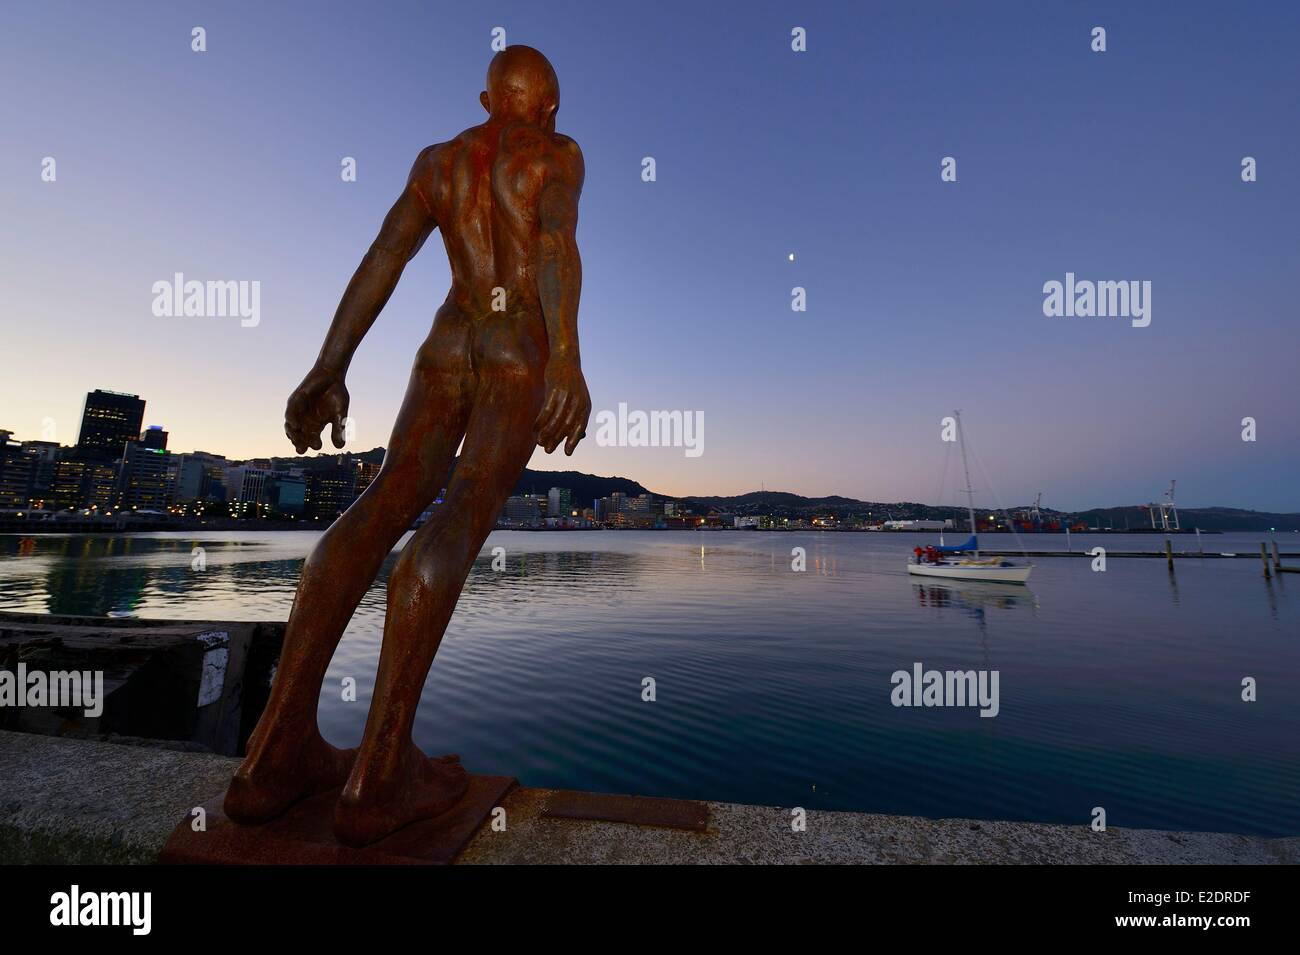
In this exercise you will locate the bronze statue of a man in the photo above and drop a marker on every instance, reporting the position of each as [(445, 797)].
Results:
[(499, 369)]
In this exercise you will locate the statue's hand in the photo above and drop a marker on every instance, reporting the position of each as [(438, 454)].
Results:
[(321, 399), (568, 405)]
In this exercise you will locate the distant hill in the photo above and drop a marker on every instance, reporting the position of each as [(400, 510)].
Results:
[(785, 504), (1206, 518), (780, 504), (585, 487), (325, 459), (767, 500)]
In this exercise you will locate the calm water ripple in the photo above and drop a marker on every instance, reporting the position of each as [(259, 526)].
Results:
[(1118, 689)]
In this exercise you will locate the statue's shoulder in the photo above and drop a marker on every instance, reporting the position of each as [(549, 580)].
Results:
[(566, 144), (444, 154), (570, 157), (432, 161)]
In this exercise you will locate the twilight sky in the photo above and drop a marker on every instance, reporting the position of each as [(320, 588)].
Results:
[(922, 295)]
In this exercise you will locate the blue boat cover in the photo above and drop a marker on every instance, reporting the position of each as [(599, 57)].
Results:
[(972, 544)]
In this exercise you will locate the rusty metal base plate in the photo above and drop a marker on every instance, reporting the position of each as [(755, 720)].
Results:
[(636, 810), (304, 835)]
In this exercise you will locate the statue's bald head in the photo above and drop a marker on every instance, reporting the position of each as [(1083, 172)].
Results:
[(522, 85)]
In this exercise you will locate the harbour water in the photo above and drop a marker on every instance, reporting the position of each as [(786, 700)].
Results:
[(1120, 689)]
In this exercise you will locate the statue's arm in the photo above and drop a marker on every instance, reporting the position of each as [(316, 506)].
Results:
[(322, 399), (559, 286), (407, 225), (559, 280)]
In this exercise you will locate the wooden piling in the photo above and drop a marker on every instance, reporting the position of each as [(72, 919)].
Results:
[(1277, 561), (1169, 553), (1263, 555)]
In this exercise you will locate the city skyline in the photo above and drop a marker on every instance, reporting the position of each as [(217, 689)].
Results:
[(922, 295), (90, 445)]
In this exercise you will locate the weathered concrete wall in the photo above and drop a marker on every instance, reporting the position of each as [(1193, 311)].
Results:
[(79, 801), (201, 681)]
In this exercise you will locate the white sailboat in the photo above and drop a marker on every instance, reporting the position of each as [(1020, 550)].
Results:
[(963, 561)]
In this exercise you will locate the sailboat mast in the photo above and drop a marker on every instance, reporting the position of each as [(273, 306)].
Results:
[(970, 492)]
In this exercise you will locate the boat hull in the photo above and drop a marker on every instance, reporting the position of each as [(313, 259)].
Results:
[(1014, 574)]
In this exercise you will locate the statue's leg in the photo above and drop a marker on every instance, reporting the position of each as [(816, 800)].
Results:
[(287, 756), (392, 782)]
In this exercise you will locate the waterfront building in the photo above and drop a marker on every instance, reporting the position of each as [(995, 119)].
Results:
[(366, 473), (646, 504), (559, 502), (288, 494), (330, 491), (607, 507), (253, 485), (142, 478), (918, 525), (16, 466), (44, 456), (523, 510), (79, 484), (635, 519), (198, 476)]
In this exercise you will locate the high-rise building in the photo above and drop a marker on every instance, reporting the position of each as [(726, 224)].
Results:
[(256, 488), (559, 502), (632, 519), (330, 491), (154, 438), (109, 420), (367, 471), (254, 485), (289, 493), (523, 510), (142, 478), (616, 503), (66, 489), (198, 476), (16, 465), (44, 455), (80, 484)]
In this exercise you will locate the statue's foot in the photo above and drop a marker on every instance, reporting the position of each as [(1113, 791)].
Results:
[(371, 808), (268, 783)]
